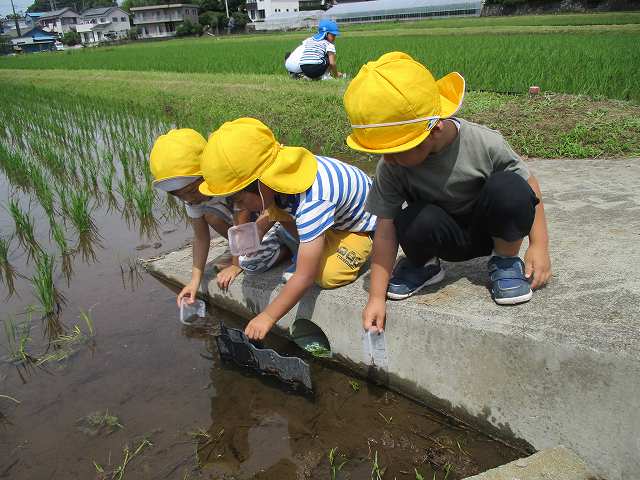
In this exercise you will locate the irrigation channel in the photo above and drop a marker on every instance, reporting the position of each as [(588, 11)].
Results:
[(99, 380)]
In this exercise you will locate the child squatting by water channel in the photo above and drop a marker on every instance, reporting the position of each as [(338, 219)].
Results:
[(324, 219)]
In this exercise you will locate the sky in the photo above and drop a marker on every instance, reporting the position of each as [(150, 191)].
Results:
[(5, 6)]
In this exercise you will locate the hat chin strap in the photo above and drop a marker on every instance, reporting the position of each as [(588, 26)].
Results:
[(432, 121)]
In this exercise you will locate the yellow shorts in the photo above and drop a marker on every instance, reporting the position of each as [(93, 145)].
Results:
[(344, 253), (343, 256)]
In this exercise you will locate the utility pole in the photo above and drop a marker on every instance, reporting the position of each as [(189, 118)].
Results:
[(15, 19)]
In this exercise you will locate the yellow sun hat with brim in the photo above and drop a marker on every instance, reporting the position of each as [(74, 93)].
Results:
[(175, 159), (245, 150), (394, 103)]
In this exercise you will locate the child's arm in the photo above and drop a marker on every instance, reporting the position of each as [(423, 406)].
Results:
[(536, 259), (307, 267), (385, 249), (201, 241), (333, 65)]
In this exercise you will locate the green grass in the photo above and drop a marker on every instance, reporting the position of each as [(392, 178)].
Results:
[(545, 126), (592, 60)]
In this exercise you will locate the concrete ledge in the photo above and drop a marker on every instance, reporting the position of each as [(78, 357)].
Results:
[(562, 369), (551, 464)]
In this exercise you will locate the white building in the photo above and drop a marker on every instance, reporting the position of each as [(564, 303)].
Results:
[(156, 21), (103, 24), (260, 10), (59, 21)]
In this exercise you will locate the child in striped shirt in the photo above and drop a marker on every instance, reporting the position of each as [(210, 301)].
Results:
[(319, 200), (319, 53)]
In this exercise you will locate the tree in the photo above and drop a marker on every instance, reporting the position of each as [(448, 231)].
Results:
[(215, 20), (133, 33), (71, 38), (241, 20), (77, 5)]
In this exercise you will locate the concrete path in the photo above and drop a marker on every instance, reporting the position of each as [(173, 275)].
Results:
[(562, 369)]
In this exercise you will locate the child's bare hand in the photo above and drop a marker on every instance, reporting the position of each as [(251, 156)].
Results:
[(188, 293), (537, 263), (374, 314), (258, 328), (226, 276)]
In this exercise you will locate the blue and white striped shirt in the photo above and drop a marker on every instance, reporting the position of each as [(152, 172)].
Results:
[(315, 51), (335, 200)]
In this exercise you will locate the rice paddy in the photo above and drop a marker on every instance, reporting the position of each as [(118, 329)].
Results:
[(597, 60)]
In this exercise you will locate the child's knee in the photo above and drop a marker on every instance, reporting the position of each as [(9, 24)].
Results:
[(331, 278), (255, 265)]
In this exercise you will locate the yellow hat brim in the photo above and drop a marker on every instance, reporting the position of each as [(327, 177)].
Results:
[(451, 87), (293, 171), (353, 144)]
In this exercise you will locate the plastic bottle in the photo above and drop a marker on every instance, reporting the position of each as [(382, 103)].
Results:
[(188, 310), (375, 349)]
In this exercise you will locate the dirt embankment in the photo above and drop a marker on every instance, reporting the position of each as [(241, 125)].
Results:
[(513, 7)]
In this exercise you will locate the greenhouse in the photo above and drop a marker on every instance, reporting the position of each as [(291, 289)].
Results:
[(373, 11), (385, 10)]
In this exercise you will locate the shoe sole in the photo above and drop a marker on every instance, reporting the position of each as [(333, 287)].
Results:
[(514, 300), (432, 281)]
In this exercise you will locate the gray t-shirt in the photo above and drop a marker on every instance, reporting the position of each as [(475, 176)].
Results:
[(451, 178)]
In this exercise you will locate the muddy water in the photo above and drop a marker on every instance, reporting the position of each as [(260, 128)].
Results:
[(165, 383)]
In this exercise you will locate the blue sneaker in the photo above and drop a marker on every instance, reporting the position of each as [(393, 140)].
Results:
[(408, 279), (509, 286), (291, 269)]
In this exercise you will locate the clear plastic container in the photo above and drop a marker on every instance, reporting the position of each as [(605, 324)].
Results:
[(244, 239), (375, 349), (189, 310)]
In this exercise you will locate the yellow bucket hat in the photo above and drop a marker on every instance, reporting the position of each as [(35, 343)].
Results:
[(245, 150), (175, 159), (394, 102)]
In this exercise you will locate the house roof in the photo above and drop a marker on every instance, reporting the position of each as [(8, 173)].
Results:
[(156, 7), (34, 14), (56, 13), (39, 35), (96, 12)]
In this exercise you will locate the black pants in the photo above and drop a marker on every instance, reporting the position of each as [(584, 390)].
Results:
[(315, 71), (505, 209)]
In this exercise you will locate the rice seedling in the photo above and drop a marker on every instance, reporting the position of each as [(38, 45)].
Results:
[(66, 253), (14, 166), (99, 423), (106, 180), (18, 337), (43, 286), (65, 345), (7, 271), (25, 231), (144, 200), (336, 462), (78, 210), (377, 472), (479, 53), (128, 455)]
